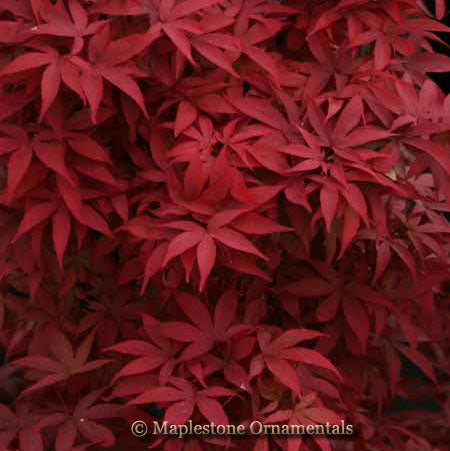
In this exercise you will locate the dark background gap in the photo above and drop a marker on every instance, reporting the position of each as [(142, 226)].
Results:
[(442, 79), (409, 369)]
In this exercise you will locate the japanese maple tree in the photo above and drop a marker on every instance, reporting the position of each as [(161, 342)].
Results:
[(224, 211)]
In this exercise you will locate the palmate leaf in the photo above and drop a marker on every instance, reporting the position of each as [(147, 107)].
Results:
[(106, 62), (280, 353), (207, 331), (60, 23), (185, 398), (205, 242), (64, 362)]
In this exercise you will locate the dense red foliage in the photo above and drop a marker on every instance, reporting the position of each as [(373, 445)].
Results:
[(224, 211)]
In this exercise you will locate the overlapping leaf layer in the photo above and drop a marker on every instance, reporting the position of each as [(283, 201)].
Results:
[(223, 211)]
